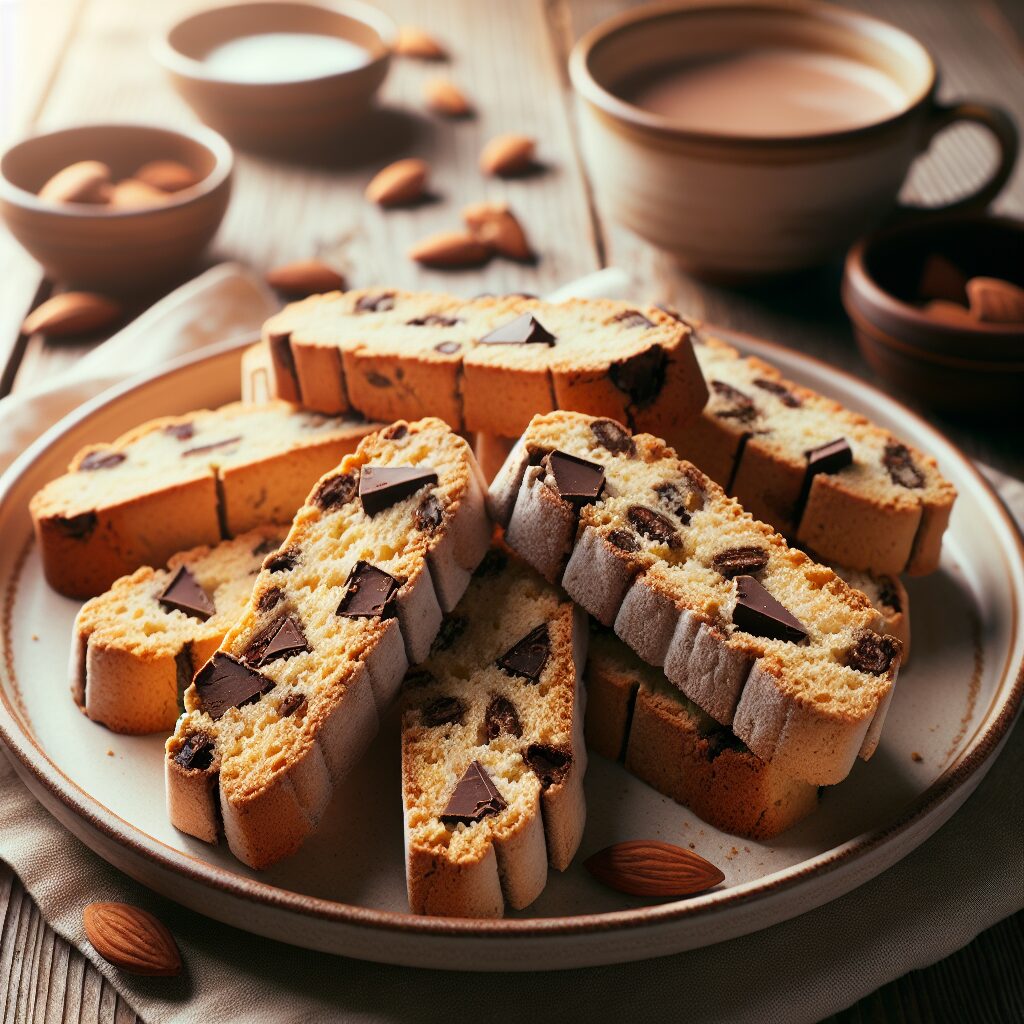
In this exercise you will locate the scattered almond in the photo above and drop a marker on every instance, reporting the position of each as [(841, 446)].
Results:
[(130, 194), (167, 175), (87, 181), (443, 96), (648, 867), (495, 225), (996, 301), (451, 249), (71, 313), (414, 42), (305, 277), (399, 183), (507, 155), (132, 939)]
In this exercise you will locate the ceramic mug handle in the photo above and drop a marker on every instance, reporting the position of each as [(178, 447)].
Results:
[(1000, 125)]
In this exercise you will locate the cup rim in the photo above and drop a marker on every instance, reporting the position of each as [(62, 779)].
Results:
[(216, 145), (179, 63), (587, 86)]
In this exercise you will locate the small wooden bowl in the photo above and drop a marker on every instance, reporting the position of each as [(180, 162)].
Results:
[(958, 366), (307, 114), (116, 251)]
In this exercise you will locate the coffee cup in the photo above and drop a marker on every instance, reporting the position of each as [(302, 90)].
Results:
[(752, 139)]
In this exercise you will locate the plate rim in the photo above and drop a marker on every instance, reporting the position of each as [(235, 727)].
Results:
[(20, 741)]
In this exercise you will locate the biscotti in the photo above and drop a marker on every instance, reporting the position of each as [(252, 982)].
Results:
[(486, 364), (135, 648), (822, 475), (384, 546), (635, 715), (179, 482), (889, 598), (492, 747), (756, 633)]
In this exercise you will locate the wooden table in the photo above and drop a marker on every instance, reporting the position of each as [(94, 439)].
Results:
[(88, 60)]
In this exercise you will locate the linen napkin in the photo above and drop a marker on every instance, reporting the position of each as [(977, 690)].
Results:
[(964, 879)]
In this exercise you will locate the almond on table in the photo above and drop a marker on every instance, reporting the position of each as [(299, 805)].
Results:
[(412, 41), (443, 96), (399, 184), (131, 939), (508, 155), (497, 226), (72, 313), (451, 249), (305, 277)]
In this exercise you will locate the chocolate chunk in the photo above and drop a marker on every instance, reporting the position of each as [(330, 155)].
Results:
[(196, 753), (294, 704), (493, 562), (524, 330), (577, 480), (181, 431), (872, 653), (184, 594), (379, 303), (740, 561), (642, 376), (784, 395), (380, 487), (527, 657), (447, 348), (78, 527), (335, 491), (653, 525), (443, 711), (429, 515), (418, 677), (265, 547), (632, 318), (888, 595), (624, 540), (283, 640), (501, 717), (549, 764), (225, 682), (613, 436), (900, 463), (671, 497), (741, 407), (395, 432), (368, 593), (101, 460), (829, 458), (283, 561), (473, 799), (183, 671), (211, 446), (433, 320), (759, 614), (377, 380), (452, 627), (269, 599)]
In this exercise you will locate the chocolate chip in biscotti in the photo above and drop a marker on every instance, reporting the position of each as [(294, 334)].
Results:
[(429, 515), (380, 487), (225, 682), (183, 671), (744, 561), (641, 377), (212, 446), (614, 437), (501, 717), (624, 540), (269, 599), (181, 431), (527, 657), (285, 640), (433, 320), (780, 391), (631, 318), (379, 303), (759, 614), (184, 594), (448, 348), (335, 491), (739, 406), (101, 460), (395, 432), (473, 799), (872, 653), (675, 500), (549, 764), (829, 458), (524, 330), (196, 752), (577, 480), (900, 464), (653, 525), (452, 627), (368, 592), (294, 704), (443, 711), (888, 595), (418, 677), (284, 561)]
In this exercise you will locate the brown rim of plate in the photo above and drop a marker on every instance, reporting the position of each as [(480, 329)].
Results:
[(587, 86), (30, 754)]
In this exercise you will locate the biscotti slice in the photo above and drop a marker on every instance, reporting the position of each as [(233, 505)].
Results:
[(385, 544), (890, 599), (179, 482), (635, 715), (825, 476), (136, 647), (492, 747), (760, 636)]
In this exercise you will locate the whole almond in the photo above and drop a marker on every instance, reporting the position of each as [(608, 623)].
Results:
[(648, 867), (305, 277), (136, 195), (71, 313), (399, 183), (507, 155), (996, 301), (451, 249), (84, 182), (167, 175), (414, 42), (132, 939), (496, 225), (443, 96)]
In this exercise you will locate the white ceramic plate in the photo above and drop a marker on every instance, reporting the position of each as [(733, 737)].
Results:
[(344, 892)]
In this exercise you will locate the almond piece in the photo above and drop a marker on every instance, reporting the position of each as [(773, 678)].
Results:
[(451, 249), (132, 939), (305, 277), (414, 42), (167, 175), (83, 182), (648, 867), (136, 195), (996, 301), (443, 96), (496, 225), (507, 155), (71, 313), (399, 183)]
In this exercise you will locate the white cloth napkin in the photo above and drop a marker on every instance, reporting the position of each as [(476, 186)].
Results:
[(964, 879)]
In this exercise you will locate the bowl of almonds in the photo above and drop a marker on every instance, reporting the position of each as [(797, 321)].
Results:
[(116, 207)]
